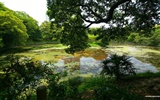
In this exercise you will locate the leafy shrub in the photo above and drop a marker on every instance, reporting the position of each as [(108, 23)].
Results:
[(65, 89), (118, 66), (155, 39), (56, 91), (92, 88), (21, 77), (92, 38), (132, 37)]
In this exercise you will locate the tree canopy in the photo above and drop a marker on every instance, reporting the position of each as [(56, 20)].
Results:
[(12, 30), (31, 24), (17, 27), (46, 30), (121, 16)]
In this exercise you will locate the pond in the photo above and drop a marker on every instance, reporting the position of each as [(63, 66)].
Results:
[(145, 54), (88, 61)]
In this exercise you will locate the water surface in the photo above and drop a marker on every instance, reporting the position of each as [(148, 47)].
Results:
[(88, 61)]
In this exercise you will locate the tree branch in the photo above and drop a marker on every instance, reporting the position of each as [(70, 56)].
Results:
[(110, 13)]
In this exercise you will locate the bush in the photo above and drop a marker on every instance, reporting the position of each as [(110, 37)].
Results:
[(132, 37), (118, 66), (21, 77), (65, 90), (155, 39), (56, 91)]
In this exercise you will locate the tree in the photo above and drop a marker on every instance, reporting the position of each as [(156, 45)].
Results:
[(12, 30), (31, 25), (122, 16), (50, 31), (3, 8), (76, 38), (46, 30)]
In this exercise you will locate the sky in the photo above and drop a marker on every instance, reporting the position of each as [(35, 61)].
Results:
[(35, 8)]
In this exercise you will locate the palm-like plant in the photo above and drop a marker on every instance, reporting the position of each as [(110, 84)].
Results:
[(118, 66)]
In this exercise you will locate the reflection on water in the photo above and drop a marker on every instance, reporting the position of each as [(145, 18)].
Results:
[(142, 67), (88, 65), (151, 58), (84, 66), (88, 61), (143, 53), (84, 62)]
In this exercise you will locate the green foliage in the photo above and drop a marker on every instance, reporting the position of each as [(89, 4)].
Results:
[(98, 37), (93, 83), (21, 77), (131, 37), (71, 37), (1, 43), (50, 31), (114, 93), (31, 26), (3, 8), (101, 88), (12, 30), (73, 87), (153, 40), (145, 75), (121, 17), (65, 89), (93, 88), (56, 91), (46, 31), (92, 38), (118, 66)]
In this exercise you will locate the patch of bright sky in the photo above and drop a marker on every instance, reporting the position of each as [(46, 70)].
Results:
[(35, 8)]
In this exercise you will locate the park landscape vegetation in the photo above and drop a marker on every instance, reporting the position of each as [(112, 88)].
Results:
[(128, 21)]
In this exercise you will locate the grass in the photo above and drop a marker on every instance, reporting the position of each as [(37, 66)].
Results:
[(93, 88), (131, 88), (18, 49), (30, 51), (146, 75), (94, 44), (143, 84)]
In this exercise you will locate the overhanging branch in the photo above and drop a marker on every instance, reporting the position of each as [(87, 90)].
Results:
[(111, 11), (109, 16)]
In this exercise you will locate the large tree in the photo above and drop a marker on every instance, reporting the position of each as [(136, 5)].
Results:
[(121, 16), (12, 30), (46, 30), (31, 24), (50, 31)]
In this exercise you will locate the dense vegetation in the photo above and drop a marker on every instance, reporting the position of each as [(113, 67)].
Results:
[(134, 37), (131, 21), (13, 31), (152, 40), (18, 28), (121, 16), (25, 29)]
